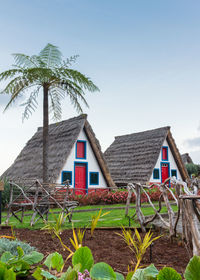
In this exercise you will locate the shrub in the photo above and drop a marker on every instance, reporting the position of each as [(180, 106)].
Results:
[(5, 194), (11, 246)]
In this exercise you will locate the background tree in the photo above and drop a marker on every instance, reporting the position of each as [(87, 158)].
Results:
[(49, 72), (193, 169)]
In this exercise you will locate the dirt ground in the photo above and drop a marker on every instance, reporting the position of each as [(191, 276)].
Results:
[(108, 247)]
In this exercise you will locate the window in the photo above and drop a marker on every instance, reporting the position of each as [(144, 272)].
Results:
[(67, 175), (94, 178), (156, 174), (81, 149), (174, 173), (164, 153)]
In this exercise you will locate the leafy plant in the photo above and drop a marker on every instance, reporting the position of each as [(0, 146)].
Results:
[(83, 268), (20, 264), (11, 246), (136, 244), (5, 273), (76, 242), (169, 273), (55, 227), (192, 271), (95, 219), (148, 273)]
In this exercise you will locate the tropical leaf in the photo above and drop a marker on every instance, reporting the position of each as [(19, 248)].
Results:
[(168, 273), (51, 56), (192, 271), (102, 271), (84, 257)]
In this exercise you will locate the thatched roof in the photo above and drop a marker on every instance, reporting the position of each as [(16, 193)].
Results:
[(132, 157), (186, 158), (62, 137)]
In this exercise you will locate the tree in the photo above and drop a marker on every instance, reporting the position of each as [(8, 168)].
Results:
[(49, 72)]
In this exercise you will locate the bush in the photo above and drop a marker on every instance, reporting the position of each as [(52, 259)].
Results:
[(5, 195), (11, 246)]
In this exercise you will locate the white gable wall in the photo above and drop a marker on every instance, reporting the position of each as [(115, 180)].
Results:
[(91, 160), (171, 161)]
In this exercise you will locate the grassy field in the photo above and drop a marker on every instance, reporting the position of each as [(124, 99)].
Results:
[(116, 217)]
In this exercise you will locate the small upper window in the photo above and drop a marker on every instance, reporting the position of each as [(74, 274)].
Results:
[(67, 175), (174, 173), (164, 153), (81, 149), (94, 178), (156, 173)]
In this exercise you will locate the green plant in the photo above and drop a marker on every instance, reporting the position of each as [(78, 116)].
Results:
[(82, 262), (6, 273), (95, 219), (192, 271), (20, 264), (55, 227), (136, 244), (5, 196), (48, 72), (11, 246), (76, 242)]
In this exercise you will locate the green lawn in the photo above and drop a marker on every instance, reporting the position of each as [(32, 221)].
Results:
[(116, 217)]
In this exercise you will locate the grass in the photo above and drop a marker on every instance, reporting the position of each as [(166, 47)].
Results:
[(116, 218)]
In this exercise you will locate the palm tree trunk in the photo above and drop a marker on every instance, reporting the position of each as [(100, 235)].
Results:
[(45, 134)]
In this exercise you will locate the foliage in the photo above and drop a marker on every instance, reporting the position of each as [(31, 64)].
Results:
[(95, 219), (20, 264), (6, 273), (47, 69), (193, 169), (192, 271), (83, 268), (116, 197), (55, 227), (11, 246), (76, 242), (5, 194), (84, 257), (148, 273), (136, 244)]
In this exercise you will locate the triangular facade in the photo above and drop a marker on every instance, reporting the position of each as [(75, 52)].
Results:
[(149, 156)]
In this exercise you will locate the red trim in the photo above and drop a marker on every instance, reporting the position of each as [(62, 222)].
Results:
[(80, 179)]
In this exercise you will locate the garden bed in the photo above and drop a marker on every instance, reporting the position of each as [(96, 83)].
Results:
[(108, 247)]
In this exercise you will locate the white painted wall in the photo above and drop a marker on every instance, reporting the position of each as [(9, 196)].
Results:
[(170, 160), (93, 165)]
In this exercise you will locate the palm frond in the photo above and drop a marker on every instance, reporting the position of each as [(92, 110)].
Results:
[(10, 74), (56, 95), (51, 56), (83, 81), (75, 94), (69, 61), (25, 61), (30, 104)]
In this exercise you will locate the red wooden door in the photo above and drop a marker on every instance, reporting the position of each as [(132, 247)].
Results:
[(80, 179), (165, 171)]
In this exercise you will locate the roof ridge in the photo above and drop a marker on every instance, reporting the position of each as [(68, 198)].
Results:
[(145, 131)]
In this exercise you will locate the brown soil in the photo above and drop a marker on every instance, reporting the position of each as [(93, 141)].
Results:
[(108, 247)]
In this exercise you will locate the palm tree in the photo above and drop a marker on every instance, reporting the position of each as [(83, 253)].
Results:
[(49, 72)]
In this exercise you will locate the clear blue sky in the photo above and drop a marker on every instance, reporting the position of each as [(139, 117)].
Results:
[(144, 56)]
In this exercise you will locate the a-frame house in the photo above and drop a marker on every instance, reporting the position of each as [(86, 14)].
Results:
[(149, 156)]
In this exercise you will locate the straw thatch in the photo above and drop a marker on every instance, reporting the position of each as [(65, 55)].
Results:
[(132, 157), (62, 137)]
